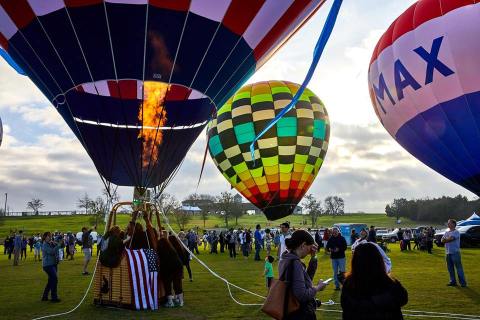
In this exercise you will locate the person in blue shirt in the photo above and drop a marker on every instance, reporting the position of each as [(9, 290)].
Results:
[(258, 242), (451, 239), (49, 263)]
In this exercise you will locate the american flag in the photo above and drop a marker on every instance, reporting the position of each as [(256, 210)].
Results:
[(144, 275)]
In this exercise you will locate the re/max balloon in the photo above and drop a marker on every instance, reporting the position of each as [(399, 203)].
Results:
[(287, 158), (137, 80), (425, 86)]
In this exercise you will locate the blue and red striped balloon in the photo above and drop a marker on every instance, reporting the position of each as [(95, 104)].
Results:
[(424, 83), (99, 61)]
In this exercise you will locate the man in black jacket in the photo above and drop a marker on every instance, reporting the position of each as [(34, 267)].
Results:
[(337, 245)]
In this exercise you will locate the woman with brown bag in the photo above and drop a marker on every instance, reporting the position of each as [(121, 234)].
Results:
[(299, 277)]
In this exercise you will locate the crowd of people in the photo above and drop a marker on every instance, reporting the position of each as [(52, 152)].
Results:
[(369, 274)]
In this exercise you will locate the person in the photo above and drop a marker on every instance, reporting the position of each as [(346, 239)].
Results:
[(30, 242), (99, 243), (284, 234), (50, 265), (363, 239), (451, 239), (336, 246), (368, 291), (268, 271), (17, 247), (372, 235), (23, 254), (87, 241), (170, 270), (268, 241), (231, 239), (318, 238), (37, 247), (111, 247), (353, 236), (292, 269), (407, 237), (429, 239), (243, 243), (221, 240), (184, 257), (193, 241), (71, 245), (400, 239), (326, 236), (213, 240), (205, 240), (258, 242)]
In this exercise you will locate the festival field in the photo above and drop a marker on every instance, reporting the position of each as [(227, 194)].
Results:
[(425, 277)]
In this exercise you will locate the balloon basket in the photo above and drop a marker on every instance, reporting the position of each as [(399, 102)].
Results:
[(113, 286)]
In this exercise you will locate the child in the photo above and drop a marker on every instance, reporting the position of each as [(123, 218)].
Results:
[(268, 272)]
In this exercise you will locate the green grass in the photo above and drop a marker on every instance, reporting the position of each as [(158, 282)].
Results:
[(423, 275), (37, 224)]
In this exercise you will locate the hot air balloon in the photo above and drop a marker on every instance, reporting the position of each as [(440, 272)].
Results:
[(1, 131), (425, 87), (137, 80), (287, 158)]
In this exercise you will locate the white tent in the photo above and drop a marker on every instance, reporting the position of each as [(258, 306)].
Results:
[(474, 216)]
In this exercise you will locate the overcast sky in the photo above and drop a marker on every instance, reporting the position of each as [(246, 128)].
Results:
[(41, 158)]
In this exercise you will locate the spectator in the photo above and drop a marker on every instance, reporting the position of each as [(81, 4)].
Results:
[(326, 235), (353, 236), (363, 239), (87, 241), (372, 235), (368, 291), (268, 271), (231, 239), (213, 242), (37, 248), (258, 242), (337, 245), (243, 243), (221, 240), (318, 238), (17, 247), (292, 269), (23, 254), (429, 239), (284, 234), (50, 264), (268, 241), (407, 237), (451, 239), (193, 242)]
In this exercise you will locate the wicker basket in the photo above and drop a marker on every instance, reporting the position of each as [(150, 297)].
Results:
[(112, 286)]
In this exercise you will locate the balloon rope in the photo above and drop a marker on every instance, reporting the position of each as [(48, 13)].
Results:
[(11, 62), (317, 53)]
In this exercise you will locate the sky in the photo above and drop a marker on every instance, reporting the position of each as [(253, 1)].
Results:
[(41, 158)]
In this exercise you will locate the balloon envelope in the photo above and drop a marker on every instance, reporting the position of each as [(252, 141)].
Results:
[(425, 86), (137, 80), (287, 158), (1, 132)]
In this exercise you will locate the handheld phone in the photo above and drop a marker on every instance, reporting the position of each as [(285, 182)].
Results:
[(327, 281)]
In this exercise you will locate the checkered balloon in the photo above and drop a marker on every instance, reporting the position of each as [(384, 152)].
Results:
[(287, 158)]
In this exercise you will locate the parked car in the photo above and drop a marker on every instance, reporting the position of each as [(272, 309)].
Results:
[(380, 233), (94, 235), (469, 236), (391, 236)]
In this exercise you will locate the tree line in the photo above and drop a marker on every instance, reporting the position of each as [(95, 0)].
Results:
[(433, 210)]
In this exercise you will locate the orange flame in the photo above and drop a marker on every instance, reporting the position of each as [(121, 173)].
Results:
[(152, 114)]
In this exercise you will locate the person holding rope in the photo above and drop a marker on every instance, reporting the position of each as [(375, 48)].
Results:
[(300, 245)]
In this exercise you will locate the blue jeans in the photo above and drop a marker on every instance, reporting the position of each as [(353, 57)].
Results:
[(258, 247), (454, 261), (245, 249), (338, 265), (51, 271)]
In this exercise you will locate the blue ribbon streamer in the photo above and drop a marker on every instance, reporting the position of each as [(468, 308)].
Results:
[(11, 62), (317, 53)]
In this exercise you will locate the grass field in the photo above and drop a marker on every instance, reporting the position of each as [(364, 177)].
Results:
[(39, 224), (423, 275)]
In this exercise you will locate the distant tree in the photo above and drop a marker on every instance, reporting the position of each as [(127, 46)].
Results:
[(100, 208), (334, 205), (35, 204), (236, 211), (167, 203), (225, 204), (314, 208), (182, 218), (193, 198), (85, 203)]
